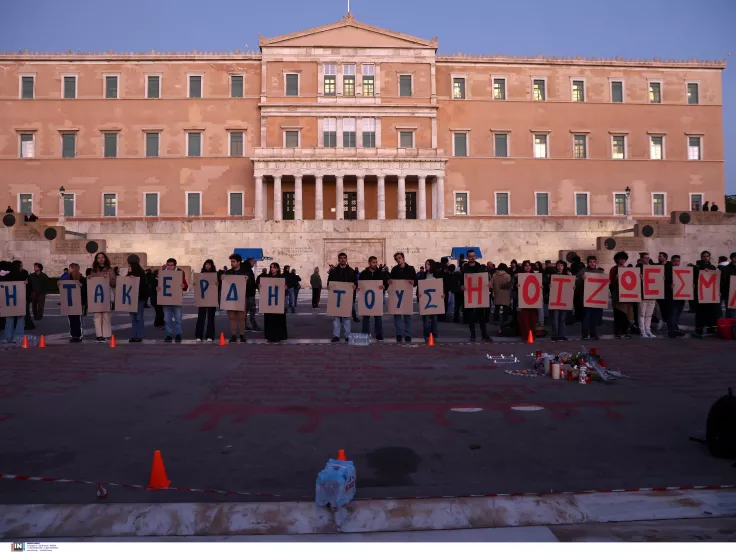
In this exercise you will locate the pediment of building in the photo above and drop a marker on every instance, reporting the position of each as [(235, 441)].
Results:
[(347, 33)]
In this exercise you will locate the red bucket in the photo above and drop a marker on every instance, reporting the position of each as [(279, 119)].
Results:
[(725, 328)]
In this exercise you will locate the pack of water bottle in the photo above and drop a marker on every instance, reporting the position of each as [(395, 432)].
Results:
[(359, 339), (336, 484)]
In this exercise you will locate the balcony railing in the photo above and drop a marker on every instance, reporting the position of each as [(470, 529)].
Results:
[(346, 153)]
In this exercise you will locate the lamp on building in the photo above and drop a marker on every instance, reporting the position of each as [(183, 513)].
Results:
[(628, 202), (61, 192), (61, 203)]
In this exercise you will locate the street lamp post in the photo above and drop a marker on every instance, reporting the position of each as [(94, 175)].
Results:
[(61, 204), (628, 203)]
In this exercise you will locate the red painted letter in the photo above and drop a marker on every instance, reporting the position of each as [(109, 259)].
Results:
[(478, 288), (629, 281), (707, 280), (528, 298)]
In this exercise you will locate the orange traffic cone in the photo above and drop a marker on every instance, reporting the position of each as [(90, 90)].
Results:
[(341, 455), (113, 343), (430, 342), (530, 338), (24, 343), (223, 343), (42, 343), (158, 479)]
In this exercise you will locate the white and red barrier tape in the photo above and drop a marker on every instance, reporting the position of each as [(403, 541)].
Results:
[(102, 492)]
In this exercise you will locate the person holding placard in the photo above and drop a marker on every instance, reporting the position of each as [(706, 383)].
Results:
[(473, 315), (501, 283), (341, 273), (706, 314), (432, 271), (206, 314), (527, 317), (14, 325), (172, 313), (674, 307), (250, 295), (136, 318), (274, 324), (726, 291), (402, 271), (237, 317), (75, 321), (372, 273), (101, 268), (559, 317), (592, 317), (623, 312)]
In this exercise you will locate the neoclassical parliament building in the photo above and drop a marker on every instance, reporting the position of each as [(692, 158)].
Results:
[(351, 121)]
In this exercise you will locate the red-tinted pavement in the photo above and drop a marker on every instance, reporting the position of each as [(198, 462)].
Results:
[(264, 419)]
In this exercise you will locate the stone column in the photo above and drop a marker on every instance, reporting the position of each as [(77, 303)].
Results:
[(318, 201), (298, 213), (381, 197), (361, 197), (440, 197), (259, 211), (422, 197), (339, 200), (402, 197), (277, 211), (434, 198)]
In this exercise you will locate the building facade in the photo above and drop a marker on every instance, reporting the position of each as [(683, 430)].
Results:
[(349, 121)]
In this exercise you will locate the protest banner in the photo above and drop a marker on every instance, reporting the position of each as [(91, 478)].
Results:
[(595, 290), (653, 282), (530, 290), (401, 297), (99, 295), (682, 283), (126, 293), (12, 299), (431, 301), (561, 292), (731, 300), (340, 299), (232, 294), (629, 285), (169, 288), (370, 298), (476, 291), (205, 289), (272, 296), (70, 297), (708, 288)]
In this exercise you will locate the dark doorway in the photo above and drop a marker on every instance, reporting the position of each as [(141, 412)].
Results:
[(350, 204), (411, 205), (288, 206)]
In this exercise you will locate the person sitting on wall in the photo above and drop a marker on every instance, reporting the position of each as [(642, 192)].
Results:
[(9, 209), (32, 218), (706, 206), (714, 207)]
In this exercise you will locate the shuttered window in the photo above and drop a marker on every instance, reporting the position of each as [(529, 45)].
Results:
[(69, 145), (153, 89), (292, 84), (27, 88), (151, 204), (405, 86), (194, 204), (236, 86), (110, 144), (111, 87), (195, 86), (236, 144), (460, 144), (70, 87), (501, 144), (194, 144), (152, 141)]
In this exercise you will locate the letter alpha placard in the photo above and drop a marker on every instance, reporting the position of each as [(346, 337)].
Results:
[(561, 292), (370, 298), (629, 285), (401, 297), (70, 297), (708, 288), (98, 294), (12, 299), (170, 292), (530, 291), (653, 282), (340, 299), (126, 293), (682, 283), (430, 297), (205, 289), (731, 302), (476, 291), (595, 292), (272, 296), (232, 294)]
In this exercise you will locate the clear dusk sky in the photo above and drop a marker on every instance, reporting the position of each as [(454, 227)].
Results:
[(670, 29)]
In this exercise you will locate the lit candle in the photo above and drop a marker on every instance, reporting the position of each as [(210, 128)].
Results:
[(556, 371)]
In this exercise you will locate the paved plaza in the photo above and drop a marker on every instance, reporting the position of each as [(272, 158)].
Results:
[(417, 420)]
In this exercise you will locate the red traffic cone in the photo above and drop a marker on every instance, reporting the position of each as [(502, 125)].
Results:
[(430, 341), (158, 479), (42, 343), (223, 343), (113, 343), (341, 455), (530, 338), (24, 343)]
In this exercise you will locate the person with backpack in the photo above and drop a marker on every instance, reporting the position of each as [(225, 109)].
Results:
[(136, 318)]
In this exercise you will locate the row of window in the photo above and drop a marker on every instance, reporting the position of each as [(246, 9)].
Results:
[(577, 90), (462, 204), (540, 146), (236, 144), (582, 203), (111, 86)]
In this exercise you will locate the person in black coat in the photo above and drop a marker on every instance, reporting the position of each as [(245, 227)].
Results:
[(136, 318), (343, 272), (373, 273), (474, 315), (274, 325), (706, 314), (402, 271)]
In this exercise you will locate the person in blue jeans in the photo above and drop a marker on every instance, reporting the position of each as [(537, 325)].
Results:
[(373, 273), (136, 318), (432, 271), (172, 313), (726, 292), (559, 316), (592, 318), (341, 273), (14, 325), (402, 271)]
